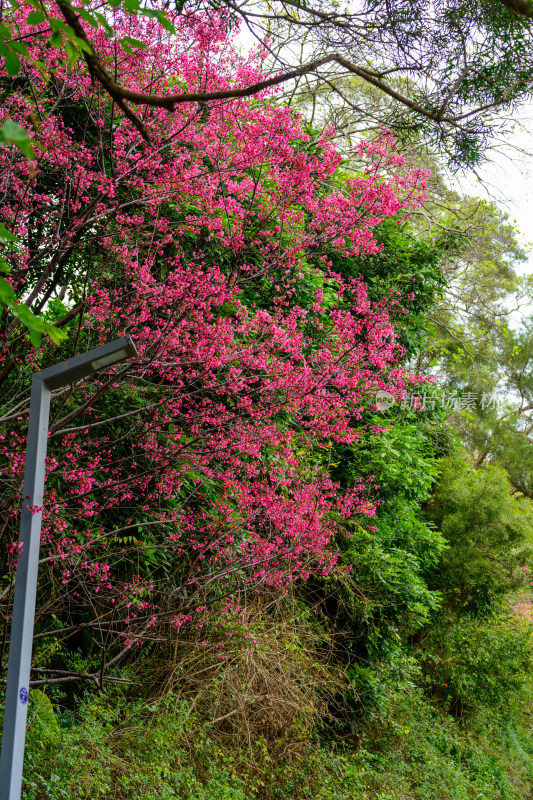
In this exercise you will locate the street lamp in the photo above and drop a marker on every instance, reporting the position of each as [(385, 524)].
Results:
[(19, 664)]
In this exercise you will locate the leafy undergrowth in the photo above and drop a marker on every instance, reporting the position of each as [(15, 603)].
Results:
[(262, 726), (116, 749)]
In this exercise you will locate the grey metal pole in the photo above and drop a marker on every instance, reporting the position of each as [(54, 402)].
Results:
[(18, 673), (21, 643)]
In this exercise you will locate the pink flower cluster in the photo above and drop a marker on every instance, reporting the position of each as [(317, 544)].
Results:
[(209, 245)]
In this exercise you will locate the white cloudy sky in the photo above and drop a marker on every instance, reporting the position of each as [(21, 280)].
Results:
[(507, 178)]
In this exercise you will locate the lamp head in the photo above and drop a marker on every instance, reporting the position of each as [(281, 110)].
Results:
[(74, 369)]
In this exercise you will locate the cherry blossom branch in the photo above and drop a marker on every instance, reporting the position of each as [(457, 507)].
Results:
[(121, 94)]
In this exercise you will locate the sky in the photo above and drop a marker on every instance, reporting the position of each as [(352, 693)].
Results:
[(507, 178)]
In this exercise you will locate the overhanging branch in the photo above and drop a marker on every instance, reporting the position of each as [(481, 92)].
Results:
[(522, 7), (122, 95)]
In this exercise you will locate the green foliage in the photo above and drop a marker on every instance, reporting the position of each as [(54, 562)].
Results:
[(479, 667), (135, 751), (486, 529), (123, 749), (12, 133), (411, 677), (14, 51), (416, 752), (8, 299), (379, 596), (43, 725), (407, 264)]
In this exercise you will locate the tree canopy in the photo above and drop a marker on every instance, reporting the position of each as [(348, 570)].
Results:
[(450, 71)]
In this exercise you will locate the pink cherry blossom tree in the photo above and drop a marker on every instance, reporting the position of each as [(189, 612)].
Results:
[(180, 481)]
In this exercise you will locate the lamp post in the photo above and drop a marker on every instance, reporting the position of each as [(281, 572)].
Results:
[(20, 648)]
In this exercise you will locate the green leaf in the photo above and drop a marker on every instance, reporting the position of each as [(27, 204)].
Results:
[(12, 132), (133, 42), (36, 325), (7, 235), (56, 334), (36, 337), (7, 295), (43, 714), (103, 22), (56, 39), (88, 17), (36, 17), (72, 53), (160, 16), (20, 48), (82, 44), (85, 46), (11, 63)]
